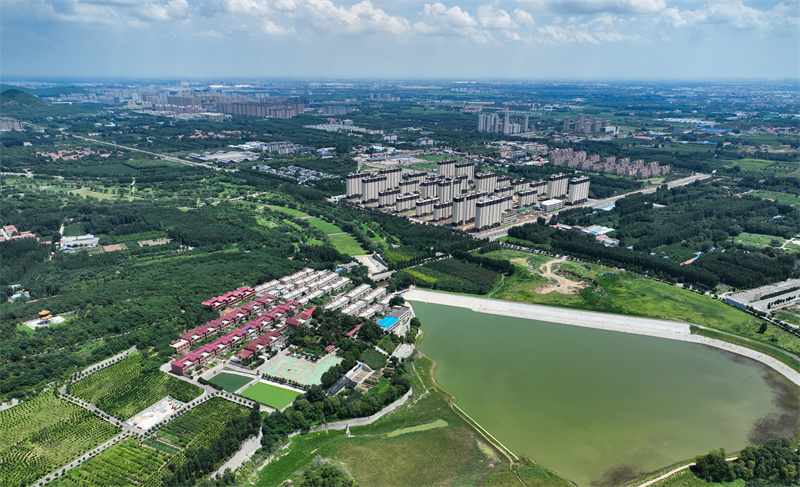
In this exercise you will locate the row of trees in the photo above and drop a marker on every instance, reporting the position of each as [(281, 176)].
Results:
[(205, 461), (774, 463)]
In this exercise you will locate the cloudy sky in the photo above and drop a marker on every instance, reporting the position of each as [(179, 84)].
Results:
[(409, 39)]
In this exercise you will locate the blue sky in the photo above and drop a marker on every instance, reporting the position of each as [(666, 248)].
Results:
[(324, 39)]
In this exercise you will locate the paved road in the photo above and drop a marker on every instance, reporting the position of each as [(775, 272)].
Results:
[(163, 156), (673, 472)]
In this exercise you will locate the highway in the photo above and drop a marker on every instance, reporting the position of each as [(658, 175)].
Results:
[(162, 156), (496, 233)]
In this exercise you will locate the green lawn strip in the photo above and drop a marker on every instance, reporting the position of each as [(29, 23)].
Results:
[(273, 396), (777, 355), (439, 423), (346, 244), (230, 382), (323, 225), (288, 211), (44, 433)]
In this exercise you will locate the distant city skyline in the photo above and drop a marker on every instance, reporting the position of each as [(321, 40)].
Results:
[(381, 39)]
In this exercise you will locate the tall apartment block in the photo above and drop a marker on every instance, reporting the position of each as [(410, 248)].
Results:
[(425, 206), (370, 187), (527, 197), (406, 202), (446, 168), (466, 169), (393, 176), (578, 190), (485, 182), (464, 208), (388, 197), (557, 186), (442, 211), (489, 212), (354, 184)]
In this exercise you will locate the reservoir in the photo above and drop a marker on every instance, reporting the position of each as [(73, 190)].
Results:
[(598, 406)]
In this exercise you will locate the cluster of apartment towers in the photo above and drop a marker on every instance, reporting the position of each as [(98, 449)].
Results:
[(457, 192)]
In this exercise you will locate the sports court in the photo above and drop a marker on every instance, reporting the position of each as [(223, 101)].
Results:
[(302, 371)]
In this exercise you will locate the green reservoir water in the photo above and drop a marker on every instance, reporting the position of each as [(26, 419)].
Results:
[(595, 405)]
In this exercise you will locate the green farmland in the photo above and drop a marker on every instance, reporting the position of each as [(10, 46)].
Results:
[(129, 386), (145, 463), (44, 433)]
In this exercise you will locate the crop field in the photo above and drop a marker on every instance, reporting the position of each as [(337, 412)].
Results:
[(324, 226), (230, 382), (44, 433), (127, 463), (273, 396), (126, 388), (201, 424), (346, 244)]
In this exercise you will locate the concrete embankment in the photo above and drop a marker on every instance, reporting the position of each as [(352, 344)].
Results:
[(672, 330)]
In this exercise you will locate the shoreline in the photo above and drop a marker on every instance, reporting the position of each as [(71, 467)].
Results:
[(672, 330)]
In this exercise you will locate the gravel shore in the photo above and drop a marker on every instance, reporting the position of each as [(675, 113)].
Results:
[(672, 330)]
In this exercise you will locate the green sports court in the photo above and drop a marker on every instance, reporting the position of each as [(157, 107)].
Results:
[(302, 371)]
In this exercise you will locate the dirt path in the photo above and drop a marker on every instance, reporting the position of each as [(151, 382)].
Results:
[(563, 285)]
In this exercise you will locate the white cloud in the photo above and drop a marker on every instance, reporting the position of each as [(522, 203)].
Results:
[(524, 18), (732, 14), (588, 7), (452, 17), (154, 12)]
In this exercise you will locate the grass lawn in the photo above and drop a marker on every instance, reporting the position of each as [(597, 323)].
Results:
[(73, 230), (44, 433), (230, 382), (276, 397), (782, 198), (324, 226), (346, 244), (757, 239), (422, 443), (288, 211), (629, 294)]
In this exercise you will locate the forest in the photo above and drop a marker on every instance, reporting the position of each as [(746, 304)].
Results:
[(774, 463)]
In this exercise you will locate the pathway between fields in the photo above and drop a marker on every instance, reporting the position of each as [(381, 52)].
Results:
[(564, 285), (673, 472)]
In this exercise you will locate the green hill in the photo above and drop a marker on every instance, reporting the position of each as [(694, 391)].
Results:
[(52, 91), (16, 103)]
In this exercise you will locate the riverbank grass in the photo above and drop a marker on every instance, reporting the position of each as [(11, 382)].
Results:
[(421, 443), (621, 292)]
